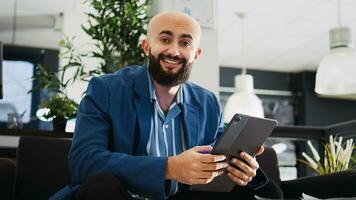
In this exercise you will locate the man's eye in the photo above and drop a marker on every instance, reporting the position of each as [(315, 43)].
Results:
[(164, 40), (186, 43)]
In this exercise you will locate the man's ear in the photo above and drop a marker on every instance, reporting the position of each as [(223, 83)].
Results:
[(197, 53), (145, 46)]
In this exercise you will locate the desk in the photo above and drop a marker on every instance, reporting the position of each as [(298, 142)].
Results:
[(9, 142), (9, 138)]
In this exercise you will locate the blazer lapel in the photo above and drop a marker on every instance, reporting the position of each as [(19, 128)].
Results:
[(190, 119), (143, 109)]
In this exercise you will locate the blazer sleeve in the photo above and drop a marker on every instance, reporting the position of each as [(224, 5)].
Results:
[(89, 154)]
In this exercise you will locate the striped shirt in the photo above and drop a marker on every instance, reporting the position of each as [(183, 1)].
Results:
[(166, 134)]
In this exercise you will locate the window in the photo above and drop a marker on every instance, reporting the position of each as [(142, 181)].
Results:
[(16, 84)]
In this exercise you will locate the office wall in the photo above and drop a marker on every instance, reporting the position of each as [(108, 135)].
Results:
[(269, 80), (206, 69), (72, 22)]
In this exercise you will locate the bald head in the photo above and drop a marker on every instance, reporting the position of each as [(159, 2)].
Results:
[(168, 21), (172, 46)]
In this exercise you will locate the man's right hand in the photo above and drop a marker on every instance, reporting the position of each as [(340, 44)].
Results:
[(195, 166)]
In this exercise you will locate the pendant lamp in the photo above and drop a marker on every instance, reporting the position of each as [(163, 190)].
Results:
[(337, 70), (244, 100)]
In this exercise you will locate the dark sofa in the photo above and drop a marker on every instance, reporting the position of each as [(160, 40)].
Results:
[(7, 173), (41, 169)]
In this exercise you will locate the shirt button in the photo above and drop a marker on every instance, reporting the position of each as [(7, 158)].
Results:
[(166, 126)]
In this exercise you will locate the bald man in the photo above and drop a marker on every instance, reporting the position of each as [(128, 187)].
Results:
[(145, 132)]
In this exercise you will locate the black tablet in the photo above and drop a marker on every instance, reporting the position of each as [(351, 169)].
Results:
[(243, 133)]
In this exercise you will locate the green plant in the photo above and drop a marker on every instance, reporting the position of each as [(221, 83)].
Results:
[(338, 156), (116, 27), (59, 105)]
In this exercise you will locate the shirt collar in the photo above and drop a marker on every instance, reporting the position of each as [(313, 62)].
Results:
[(152, 91)]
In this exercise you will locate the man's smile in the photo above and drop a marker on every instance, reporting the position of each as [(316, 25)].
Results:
[(171, 63)]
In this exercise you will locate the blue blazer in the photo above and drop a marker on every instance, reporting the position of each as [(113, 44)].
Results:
[(112, 131)]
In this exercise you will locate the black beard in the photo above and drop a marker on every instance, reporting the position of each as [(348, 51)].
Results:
[(168, 78)]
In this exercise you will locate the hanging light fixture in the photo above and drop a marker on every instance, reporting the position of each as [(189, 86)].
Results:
[(337, 70), (244, 100)]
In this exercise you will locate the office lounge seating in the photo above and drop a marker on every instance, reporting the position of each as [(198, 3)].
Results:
[(341, 184), (41, 169), (7, 173)]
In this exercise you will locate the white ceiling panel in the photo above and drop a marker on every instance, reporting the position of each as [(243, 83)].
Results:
[(36, 7), (302, 58), (247, 61), (305, 29), (280, 35), (318, 44)]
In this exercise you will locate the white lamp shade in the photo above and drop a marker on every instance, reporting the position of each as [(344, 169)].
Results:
[(243, 101), (336, 74)]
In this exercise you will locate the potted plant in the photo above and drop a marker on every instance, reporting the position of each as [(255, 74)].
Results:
[(338, 156), (59, 109)]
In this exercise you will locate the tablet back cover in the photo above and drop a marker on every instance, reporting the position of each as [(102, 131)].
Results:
[(243, 133)]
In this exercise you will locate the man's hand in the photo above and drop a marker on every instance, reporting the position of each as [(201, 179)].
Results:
[(243, 171), (195, 166)]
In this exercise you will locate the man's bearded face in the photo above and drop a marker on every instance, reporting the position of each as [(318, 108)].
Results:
[(168, 77)]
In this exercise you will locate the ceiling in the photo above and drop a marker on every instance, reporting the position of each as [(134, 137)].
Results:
[(37, 7), (279, 35)]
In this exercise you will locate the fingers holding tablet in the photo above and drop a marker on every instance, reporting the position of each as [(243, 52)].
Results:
[(237, 176), (214, 166), (242, 172), (193, 167), (248, 161)]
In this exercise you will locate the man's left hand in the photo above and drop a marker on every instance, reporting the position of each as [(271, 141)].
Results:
[(242, 172)]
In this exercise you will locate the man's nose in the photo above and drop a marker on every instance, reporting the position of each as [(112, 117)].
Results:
[(174, 50)]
